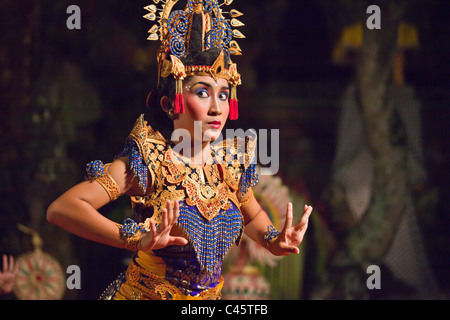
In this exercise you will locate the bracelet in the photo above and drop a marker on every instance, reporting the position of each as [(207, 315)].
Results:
[(131, 233), (97, 171), (132, 243), (271, 235)]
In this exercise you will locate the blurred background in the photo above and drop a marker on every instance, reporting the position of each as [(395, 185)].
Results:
[(363, 120)]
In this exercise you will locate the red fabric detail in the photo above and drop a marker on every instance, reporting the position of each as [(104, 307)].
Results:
[(179, 103), (234, 114)]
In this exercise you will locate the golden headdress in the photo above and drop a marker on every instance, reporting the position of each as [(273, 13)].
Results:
[(199, 29)]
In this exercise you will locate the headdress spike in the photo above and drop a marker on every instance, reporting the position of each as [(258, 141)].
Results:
[(236, 23), (150, 16), (234, 13), (151, 8), (238, 34)]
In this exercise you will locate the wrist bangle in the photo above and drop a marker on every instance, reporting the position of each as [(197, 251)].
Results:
[(131, 233), (271, 235)]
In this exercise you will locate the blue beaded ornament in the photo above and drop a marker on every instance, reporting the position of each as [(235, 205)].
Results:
[(271, 234), (212, 239), (249, 178), (137, 164), (130, 228), (95, 169)]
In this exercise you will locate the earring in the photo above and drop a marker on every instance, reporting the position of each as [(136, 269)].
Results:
[(171, 114)]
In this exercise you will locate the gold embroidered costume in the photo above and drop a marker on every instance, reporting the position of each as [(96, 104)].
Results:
[(210, 216)]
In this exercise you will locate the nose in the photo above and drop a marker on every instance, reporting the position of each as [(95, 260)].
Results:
[(214, 108)]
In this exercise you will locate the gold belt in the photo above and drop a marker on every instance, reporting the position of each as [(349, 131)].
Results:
[(158, 288)]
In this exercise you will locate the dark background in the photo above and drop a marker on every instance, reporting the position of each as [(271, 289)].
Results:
[(72, 96)]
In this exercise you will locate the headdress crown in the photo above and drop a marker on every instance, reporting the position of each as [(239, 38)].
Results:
[(199, 28)]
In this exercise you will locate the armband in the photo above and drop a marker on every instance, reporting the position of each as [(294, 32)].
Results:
[(97, 171), (246, 198), (271, 235)]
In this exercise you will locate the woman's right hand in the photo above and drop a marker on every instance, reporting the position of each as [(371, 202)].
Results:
[(159, 237)]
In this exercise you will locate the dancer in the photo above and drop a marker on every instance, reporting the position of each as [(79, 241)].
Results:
[(191, 192)]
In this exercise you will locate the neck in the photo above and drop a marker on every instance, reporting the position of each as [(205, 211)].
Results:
[(200, 153), (196, 153)]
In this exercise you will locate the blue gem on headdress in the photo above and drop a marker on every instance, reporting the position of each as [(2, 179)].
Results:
[(177, 45), (219, 36), (177, 25)]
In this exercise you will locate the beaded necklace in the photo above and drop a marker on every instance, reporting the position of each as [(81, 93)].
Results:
[(206, 176), (213, 231)]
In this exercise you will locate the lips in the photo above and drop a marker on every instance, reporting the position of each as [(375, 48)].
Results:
[(215, 124)]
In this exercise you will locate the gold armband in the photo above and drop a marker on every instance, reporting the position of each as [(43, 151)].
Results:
[(244, 200), (97, 171)]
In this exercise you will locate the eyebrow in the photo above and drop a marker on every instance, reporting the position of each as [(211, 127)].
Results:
[(209, 85)]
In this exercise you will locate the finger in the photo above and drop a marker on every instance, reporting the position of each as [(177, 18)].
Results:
[(167, 212), (5, 263), (290, 249), (288, 222), (171, 216), (303, 223), (294, 250), (16, 269), (11, 264), (169, 209), (153, 231), (152, 228), (177, 241), (149, 239), (162, 224), (176, 211)]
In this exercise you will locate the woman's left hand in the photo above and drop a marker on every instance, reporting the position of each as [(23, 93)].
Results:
[(292, 235)]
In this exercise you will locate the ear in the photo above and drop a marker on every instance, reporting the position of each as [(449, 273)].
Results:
[(166, 104)]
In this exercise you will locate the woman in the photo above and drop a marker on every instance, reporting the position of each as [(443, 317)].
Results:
[(191, 204)]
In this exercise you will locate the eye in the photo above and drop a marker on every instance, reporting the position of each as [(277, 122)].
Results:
[(202, 93), (223, 96)]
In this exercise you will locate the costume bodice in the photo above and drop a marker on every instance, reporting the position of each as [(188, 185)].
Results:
[(210, 215)]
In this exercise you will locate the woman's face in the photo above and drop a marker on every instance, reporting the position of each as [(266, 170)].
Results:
[(206, 107)]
